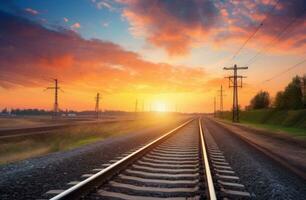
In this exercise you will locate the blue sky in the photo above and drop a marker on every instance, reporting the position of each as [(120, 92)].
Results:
[(96, 22)]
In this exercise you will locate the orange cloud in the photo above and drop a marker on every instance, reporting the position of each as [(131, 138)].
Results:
[(174, 26), (34, 53)]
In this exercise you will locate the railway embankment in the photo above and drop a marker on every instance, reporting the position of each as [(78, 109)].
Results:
[(292, 122), (287, 149)]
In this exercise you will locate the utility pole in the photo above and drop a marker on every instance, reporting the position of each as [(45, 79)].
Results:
[(303, 88), (214, 106), (136, 106), (221, 101), (233, 83), (55, 88), (97, 109), (143, 105)]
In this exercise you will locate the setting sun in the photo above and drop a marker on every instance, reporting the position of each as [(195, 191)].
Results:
[(153, 99), (160, 107)]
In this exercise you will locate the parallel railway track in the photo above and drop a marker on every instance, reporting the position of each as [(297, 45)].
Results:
[(178, 165)]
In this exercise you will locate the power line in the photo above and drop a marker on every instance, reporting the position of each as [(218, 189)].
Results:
[(285, 71), (248, 39), (256, 30), (267, 47)]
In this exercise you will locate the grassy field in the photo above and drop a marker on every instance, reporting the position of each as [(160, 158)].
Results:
[(24, 147), (11, 122), (288, 121)]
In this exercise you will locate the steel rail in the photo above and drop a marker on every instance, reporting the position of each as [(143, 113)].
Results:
[(210, 183), (84, 187)]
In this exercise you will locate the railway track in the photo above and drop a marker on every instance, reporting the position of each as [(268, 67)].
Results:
[(178, 165)]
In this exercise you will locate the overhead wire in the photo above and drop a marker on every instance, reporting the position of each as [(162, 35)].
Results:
[(247, 40), (285, 71), (268, 46), (255, 31)]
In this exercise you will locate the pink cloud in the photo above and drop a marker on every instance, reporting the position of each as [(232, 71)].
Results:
[(76, 25), (65, 19)]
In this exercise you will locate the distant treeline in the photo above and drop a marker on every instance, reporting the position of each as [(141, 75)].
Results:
[(292, 98), (30, 111), (36, 111)]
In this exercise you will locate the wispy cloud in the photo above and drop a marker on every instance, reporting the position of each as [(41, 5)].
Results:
[(101, 4), (65, 19), (31, 11), (105, 24)]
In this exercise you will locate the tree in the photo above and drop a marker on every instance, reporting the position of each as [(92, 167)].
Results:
[(279, 102), (292, 97), (260, 100), (4, 111), (303, 88)]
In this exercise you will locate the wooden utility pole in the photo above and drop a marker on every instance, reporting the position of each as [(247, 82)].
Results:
[(221, 101), (143, 106), (136, 106), (303, 88), (97, 107), (214, 106), (233, 83)]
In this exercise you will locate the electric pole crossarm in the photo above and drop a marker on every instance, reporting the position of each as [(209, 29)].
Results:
[(236, 76), (232, 68)]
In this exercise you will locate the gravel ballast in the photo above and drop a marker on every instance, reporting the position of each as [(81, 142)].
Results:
[(262, 176), (30, 179)]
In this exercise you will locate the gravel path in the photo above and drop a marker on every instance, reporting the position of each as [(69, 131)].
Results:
[(261, 175), (30, 179)]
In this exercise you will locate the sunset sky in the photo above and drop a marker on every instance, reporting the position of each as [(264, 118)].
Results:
[(166, 53)]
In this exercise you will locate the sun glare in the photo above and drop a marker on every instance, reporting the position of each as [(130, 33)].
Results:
[(160, 107)]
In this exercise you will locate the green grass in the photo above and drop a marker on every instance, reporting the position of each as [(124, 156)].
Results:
[(19, 148), (292, 122), (277, 128)]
